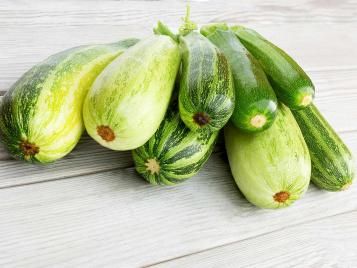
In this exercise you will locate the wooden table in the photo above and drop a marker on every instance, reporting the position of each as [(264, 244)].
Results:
[(92, 210)]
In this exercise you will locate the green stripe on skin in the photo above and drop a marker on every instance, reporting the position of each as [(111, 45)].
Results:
[(180, 156)]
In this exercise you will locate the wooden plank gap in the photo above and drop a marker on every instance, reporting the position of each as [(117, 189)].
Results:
[(152, 265)]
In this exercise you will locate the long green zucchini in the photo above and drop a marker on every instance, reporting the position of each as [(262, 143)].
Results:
[(256, 103), (291, 84), (41, 115), (206, 96), (271, 168), (174, 153), (128, 100), (332, 163)]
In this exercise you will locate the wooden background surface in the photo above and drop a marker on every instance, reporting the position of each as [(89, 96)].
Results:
[(91, 209)]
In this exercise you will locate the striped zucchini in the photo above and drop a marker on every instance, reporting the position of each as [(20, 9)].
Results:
[(206, 96), (256, 103), (174, 153), (291, 84), (128, 100), (41, 115), (332, 163), (271, 168)]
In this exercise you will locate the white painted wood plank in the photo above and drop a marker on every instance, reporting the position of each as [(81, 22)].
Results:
[(329, 242), (87, 158), (31, 32), (115, 219)]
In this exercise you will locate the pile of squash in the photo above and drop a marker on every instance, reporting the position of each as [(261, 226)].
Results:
[(167, 97)]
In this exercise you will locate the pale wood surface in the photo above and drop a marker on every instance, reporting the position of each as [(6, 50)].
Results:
[(91, 209)]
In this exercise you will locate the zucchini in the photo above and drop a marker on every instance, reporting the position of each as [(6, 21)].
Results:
[(291, 84), (206, 95), (41, 114), (174, 153), (272, 168), (256, 103), (332, 162), (128, 100)]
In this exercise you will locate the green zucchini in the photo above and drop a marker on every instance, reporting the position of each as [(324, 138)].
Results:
[(174, 153), (291, 84), (128, 100), (272, 168), (41, 114), (332, 163), (256, 103), (206, 96)]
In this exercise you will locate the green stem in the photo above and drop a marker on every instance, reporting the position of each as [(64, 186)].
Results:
[(212, 28), (164, 30), (188, 25)]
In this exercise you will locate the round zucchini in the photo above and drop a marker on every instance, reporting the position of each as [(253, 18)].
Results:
[(174, 153)]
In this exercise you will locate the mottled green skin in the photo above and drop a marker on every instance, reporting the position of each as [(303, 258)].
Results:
[(44, 106), (206, 84), (254, 94), (266, 163), (290, 82), (132, 94), (179, 151), (332, 163)]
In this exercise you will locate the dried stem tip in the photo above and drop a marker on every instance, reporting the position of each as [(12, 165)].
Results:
[(258, 121), (306, 100), (29, 149), (201, 119), (106, 133), (281, 197), (153, 166)]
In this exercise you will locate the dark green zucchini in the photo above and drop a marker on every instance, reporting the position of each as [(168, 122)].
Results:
[(332, 162), (256, 103), (291, 84), (174, 153), (206, 96)]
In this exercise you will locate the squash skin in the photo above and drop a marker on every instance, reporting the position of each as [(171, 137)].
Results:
[(333, 167), (41, 114), (255, 98), (129, 98), (177, 152), (272, 168), (292, 85), (206, 95)]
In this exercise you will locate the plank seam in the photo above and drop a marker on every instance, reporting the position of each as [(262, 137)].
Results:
[(64, 177), (248, 238)]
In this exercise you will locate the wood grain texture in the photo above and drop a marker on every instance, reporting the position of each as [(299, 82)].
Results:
[(329, 242), (88, 157), (31, 31), (115, 219), (92, 210)]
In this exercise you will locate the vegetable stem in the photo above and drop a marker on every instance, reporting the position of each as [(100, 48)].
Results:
[(188, 25), (164, 30)]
